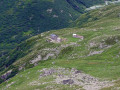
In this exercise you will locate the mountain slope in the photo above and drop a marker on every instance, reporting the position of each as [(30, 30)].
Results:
[(95, 15), (97, 55), (22, 19)]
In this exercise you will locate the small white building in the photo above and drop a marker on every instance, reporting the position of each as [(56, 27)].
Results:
[(78, 36), (74, 35)]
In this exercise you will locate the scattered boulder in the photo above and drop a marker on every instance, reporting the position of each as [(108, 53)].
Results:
[(68, 81), (22, 66), (95, 52), (36, 59), (78, 71), (48, 56), (47, 72), (10, 84)]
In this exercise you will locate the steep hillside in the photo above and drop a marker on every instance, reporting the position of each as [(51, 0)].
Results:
[(22, 19), (97, 55), (96, 16)]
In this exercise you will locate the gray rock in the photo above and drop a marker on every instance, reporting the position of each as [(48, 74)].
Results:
[(4, 76), (48, 72), (39, 58), (78, 71), (69, 81), (48, 55)]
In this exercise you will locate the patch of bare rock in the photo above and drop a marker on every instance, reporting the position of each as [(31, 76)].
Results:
[(47, 53), (74, 77)]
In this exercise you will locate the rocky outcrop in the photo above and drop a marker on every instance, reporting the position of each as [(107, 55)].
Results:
[(47, 53), (4, 76), (72, 77), (95, 52), (36, 59)]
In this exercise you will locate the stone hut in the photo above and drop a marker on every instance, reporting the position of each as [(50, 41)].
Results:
[(53, 36)]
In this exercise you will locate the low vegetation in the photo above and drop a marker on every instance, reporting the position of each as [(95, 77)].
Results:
[(97, 54)]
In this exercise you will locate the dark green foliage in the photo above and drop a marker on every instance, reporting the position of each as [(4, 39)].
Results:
[(21, 19), (17, 18), (88, 3), (29, 66), (13, 73), (1, 80), (65, 51), (112, 40), (18, 52)]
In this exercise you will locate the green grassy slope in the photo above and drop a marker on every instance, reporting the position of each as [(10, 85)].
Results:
[(98, 54), (22, 19), (97, 15)]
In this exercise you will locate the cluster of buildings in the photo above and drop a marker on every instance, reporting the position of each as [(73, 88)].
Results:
[(56, 39)]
